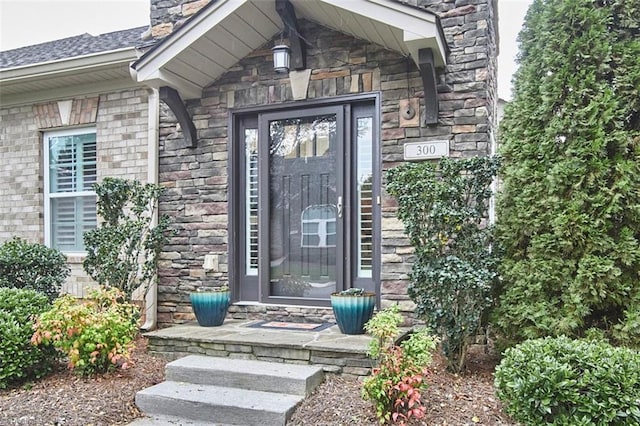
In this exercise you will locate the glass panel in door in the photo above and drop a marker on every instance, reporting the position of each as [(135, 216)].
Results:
[(364, 197), (303, 207)]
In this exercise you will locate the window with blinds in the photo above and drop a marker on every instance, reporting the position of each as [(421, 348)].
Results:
[(251, 197), (364, 172), (70, 199)]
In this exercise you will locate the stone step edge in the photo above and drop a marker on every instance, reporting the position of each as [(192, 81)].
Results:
[(228, 405), (159, 420), (295, 379), (283, 345)]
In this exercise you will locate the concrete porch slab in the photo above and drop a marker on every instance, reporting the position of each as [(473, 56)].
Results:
[(238, 332), (329, 348)]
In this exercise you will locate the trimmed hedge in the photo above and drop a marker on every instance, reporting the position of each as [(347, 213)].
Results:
[(32, 266), (559, 381), (19, 359)]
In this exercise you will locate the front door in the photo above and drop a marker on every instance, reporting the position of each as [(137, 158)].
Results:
[(308, 218)]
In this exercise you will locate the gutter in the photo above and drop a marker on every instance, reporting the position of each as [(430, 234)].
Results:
[(67, 65)]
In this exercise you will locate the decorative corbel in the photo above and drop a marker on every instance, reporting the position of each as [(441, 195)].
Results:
[(171, 97), (428, 73), (298, 52)]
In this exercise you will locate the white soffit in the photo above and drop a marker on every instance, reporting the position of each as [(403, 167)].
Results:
[(216, 38)]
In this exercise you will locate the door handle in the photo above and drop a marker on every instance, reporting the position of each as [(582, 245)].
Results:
[(339, 206)]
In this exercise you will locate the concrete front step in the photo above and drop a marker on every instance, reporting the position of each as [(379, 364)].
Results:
[(220, 405), (204, 390), (283, 378), (169, 421)]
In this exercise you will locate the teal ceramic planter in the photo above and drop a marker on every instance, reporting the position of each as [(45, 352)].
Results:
[(353, 312), (210, 307)]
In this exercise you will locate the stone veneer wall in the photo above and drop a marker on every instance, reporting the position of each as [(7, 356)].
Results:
[(167, 15), (196, 179), (121, 130)]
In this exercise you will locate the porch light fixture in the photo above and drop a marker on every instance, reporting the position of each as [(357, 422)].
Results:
[(281, 58)]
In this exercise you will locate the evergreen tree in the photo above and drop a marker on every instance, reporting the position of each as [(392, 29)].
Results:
[(569, 209)]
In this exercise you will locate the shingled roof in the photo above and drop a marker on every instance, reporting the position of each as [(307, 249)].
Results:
[(71, 47)]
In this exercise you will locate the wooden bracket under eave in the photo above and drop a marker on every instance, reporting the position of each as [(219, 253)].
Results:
[(298, 52), (171, 97), (428, 73)]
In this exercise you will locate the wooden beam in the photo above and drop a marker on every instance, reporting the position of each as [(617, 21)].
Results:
[(428, 73), (298, 51), (171, 97)]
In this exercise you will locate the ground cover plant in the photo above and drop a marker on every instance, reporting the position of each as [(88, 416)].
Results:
[(444, 208), (569, 209), (19, 359), (560, 381), (395, 384), (32, 266), (96, 334)]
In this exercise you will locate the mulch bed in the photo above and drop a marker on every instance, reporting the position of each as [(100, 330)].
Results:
[(63, 398), (450, 399)]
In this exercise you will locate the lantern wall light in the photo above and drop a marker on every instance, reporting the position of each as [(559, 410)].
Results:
[(281, 58)]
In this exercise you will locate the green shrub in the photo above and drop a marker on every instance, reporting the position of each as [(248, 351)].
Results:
[(444, 207), (32, 266), (19, 359), (569, 207), (559, 381), (123, 251), (394, 386), (96, 334)]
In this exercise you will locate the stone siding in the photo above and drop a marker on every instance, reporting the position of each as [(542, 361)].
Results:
[(196, 178), (121, 131), (168, 15)]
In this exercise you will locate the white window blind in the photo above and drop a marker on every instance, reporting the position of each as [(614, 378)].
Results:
[(70, 199), (251, 198), (365, 196)]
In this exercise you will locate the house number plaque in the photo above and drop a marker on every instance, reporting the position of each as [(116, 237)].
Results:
[(426, 150)]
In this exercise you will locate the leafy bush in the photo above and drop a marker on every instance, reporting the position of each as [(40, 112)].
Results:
[(444, 207), (569, 210), (19, 359), (32, 266), (95, 334), (123, 251), (559, 381), (394, 386)]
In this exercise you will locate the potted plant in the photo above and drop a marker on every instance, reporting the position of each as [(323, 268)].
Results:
[(210, 305), (353, 308)]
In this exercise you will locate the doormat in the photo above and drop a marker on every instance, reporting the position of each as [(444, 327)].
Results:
[(300, 326)]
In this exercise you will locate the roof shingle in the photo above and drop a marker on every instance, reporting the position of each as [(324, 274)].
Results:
[(70, 47)]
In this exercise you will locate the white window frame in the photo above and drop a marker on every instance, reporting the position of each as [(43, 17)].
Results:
[(48, 196)]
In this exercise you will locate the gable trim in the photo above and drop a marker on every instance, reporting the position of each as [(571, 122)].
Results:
[(202, 49)]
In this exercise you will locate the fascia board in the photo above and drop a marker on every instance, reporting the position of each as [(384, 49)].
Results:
[(385, 12), (60, 67), (419, 28), (184, 37)]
